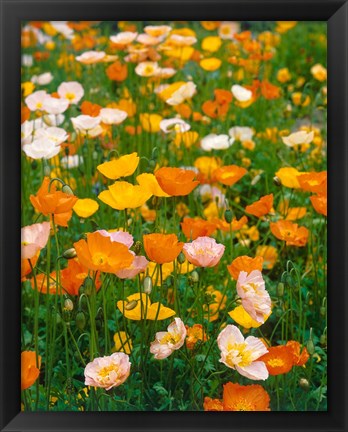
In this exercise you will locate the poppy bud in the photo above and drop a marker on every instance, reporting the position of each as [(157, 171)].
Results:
[(323, 311), (88, 285), (278, 312), (137, 247), (67, 189), (47, 171), (310, 347), (304, 383), (152, 164), (181, 258), (277, 181), (195, 276), (280, 289), (323, 339), (228, 216), (80, 320), (70, 253), (131, 305), (147, 284), (95, 155), (68, 304)]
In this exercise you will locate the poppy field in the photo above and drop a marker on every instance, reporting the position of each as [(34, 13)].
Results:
[(174, 216)]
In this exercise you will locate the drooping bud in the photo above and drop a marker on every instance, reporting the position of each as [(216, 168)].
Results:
[(280, 289), (67, 189), (228, 216), (88, 284), (47, 171), (304, 384), (80, 320), (131, 305), (68, 304), (147, 284), (195, 276), (277, 181), (70, 253), (181, 258), (310, 347), (323, 339)]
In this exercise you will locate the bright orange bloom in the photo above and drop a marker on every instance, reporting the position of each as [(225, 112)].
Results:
[(245, 398), (176, 181), (194, 334), (55, 203), (261, 207), (223, 96), (212, 404), (319, 202), (300, 358), (162, 248), (25, 265), (244, 263), (229, 174), (213, 109), (197, 227), (269, 91), (25, 114), (74, 276), (91, 109), (315, 182), (30, 371), (290, 232), (41, 283), (184, 110), (278, 360), (117, 71), (100, 253)]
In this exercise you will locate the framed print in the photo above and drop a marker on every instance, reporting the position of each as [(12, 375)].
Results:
[(180, 191)]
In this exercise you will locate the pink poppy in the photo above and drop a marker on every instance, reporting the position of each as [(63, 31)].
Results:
[(167, 342), (204, 252), (34, 238)]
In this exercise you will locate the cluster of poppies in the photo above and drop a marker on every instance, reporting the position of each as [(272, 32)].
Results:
[(174, 203)]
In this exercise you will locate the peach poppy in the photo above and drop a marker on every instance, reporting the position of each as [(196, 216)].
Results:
[(166, 343), (30, 370), (73, 277), (300, 357), (290, 232), (176, 181), (278, 360), (123, 195), (53, 203), (229, 174), (100, 253), (315, 182), (162, 248), (143, 308), (261, 207), (197, 227), (34, 238), (117, 71), (244, 263), (203, 252), (237, 397), (319, 202)]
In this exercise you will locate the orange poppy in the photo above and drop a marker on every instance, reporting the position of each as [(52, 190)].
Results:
[(184, 110), (53, 202), (319, 202), (162, 248), (197, 227), (223, 96), (290, 232), (25, 114), (261, 207), (91, 109), (100, 253), (252, 397), (176, 181), (244, 263), (117, 71), (229, 174), (212, 404), (25, 265), (30, 371), (194, 334), (315, 182), (269, 91), (278, 360), (74, 276), (41, 283), (300, 358)]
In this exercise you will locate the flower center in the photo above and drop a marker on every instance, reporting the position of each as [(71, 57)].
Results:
[(170, 338), (99, 258), (277, 362), (70, 96), (105, 372), (242, 405), (238, 355)]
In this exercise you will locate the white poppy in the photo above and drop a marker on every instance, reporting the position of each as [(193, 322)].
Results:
[(174, 124), (241, 133), (123, 38), (54, 105), (71, 161), (35, 100), (216, 142), (42, 79), (298, 138), (56, 134), (112, 116), (90, 57), (41, 148), (26, 132), (72, 91), (241, 93)]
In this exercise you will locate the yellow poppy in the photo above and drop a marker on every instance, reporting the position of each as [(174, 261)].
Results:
[(123, 343), (241, 317), (122, 195), (210, 64), (144, 309), (150, 182), (85, 207), (288, 177), (121, 167), (211, 43), (150, 122)]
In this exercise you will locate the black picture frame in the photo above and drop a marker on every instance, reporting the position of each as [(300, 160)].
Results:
[(335, 12)]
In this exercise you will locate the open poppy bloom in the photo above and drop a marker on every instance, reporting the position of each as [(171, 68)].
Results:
[(290, 232), (194, 334), (197, 227), (242, 354), (124, 166), (237, 397), (166, 343), (108, 372), (100, 253), (203, 252), (53, 203), (86, 207), (255, 298), (122, 195), (278, 360), (162, 248), (229, 174), (261, 207), (138, 306), (300, 357), (244, 263), (30, 371), (269, 254), (34, 238), (149, 181), (289, 177), (319, 202), (315, 182), (73, 277), (176, 181)]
